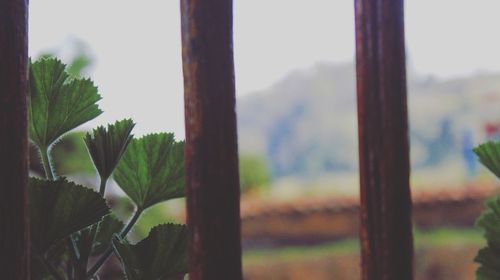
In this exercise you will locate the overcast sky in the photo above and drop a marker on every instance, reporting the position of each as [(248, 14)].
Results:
[(136, 45)]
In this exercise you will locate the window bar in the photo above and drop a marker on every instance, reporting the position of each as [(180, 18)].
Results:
[(14, 234), (386, 236), (211, 152)]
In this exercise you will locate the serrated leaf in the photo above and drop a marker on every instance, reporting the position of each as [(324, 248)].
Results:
[(489, 156), (161, 255), (107, 228), (107, 145), (489, 257), (60, 208), (57, 104), (489, 220), (152, 169)]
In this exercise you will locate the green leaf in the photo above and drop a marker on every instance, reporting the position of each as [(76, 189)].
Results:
[(489, 220), (108, 227), (489, 156), (152, 169), (57, 104), (78, 65), (70, 155), (489, 257), (155, 215), (107, 145), (161, 255), (60, 208)]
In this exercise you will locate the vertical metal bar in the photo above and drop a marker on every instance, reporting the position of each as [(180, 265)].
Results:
[(386, 236), (211, 153), (14, 232)]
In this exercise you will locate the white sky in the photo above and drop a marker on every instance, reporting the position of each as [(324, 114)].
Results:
[(136, 45)]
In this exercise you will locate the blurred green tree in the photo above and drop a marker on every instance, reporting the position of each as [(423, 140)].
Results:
[(254, 173)]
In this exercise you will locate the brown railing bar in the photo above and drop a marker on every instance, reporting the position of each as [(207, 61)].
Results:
[(386, 236), (211, 153), (14, 232)]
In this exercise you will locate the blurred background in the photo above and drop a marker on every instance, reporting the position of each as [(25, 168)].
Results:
[(297, 124)]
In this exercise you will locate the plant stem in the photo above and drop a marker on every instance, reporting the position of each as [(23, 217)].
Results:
[(131, 223), (47, 163), (50, 268), (102, 186), (50, 175), (109, 251), (89, 239), (94, 228)]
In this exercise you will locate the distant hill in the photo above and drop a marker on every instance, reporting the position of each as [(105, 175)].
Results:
[(306, 124)]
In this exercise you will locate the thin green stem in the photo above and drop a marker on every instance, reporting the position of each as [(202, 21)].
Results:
[(47, 163), (109, 251), (102, 187), (49, 267), (51, 175), (131, 223), (94, 228), (89, 239), (73, 251)]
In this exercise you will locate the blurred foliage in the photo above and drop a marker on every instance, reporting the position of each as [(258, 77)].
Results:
[(78, 64), (153, 216), (70, 156), (80, 60), (254, 174)]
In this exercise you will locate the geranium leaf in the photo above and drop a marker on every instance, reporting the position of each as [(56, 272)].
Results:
[(60, 208), (489, 156), (57, 104), (489, 257), (107, 145), (108, 227), (161, 255), (489, 220), (152, 169)]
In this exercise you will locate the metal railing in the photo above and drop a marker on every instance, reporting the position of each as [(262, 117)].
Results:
[(211, 140), (14, 215)]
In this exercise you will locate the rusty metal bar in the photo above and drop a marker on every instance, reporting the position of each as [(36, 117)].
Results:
[(14, 232), (386, 236), (211, 153)]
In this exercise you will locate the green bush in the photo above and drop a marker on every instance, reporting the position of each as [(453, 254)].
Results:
[(254, 174)]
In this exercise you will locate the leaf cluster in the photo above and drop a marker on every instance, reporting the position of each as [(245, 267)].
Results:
[(489, 220), (71, 223)]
